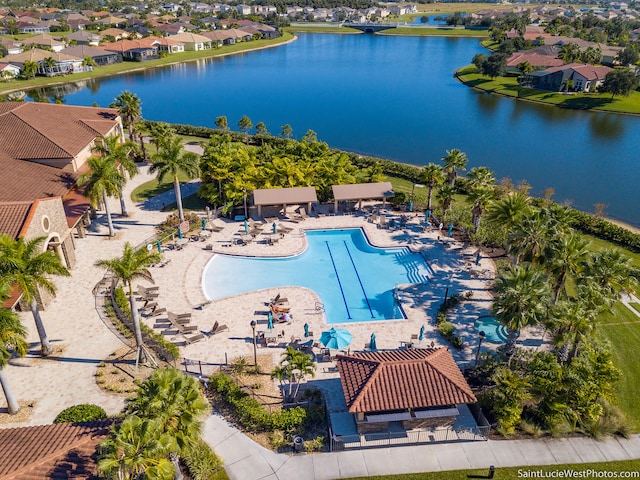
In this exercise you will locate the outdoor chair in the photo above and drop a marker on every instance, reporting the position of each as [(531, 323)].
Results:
[(182, 319), (194, 338), (217, 328)]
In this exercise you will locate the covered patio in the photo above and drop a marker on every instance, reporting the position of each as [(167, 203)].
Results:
[(362, 191), (284, 197)]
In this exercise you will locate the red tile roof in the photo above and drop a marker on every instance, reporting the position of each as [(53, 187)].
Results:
[(13, 216), (534, 59), (402, 379), (62, 451)]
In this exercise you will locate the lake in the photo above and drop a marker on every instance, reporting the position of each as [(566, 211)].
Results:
[(395, 97)]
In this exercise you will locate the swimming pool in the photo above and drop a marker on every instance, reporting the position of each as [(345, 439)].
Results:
[(493, 330), (354, 280)]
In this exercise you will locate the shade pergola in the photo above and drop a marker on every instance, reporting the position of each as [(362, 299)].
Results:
[(284, 197), (362, 191)]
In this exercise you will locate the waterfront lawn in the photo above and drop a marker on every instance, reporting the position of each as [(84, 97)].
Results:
[(435, 32), (123, 67), (596, 243), (513, 472), (154, 188), (509, 87), (622, 329), (320, 29)]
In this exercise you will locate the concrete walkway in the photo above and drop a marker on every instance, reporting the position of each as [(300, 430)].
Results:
[(246, 460)]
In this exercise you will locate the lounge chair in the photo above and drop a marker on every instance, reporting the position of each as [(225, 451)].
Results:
[(278, 300), (180, 328), (303, 214), (194, 338), (182, 319), (279, 309), (217, 328)]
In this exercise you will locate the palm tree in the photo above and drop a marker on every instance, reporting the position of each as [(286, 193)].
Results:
[(286, 131), (568, 255), (454, 161), (25, 265), (293, 368), (481, 177), (29, 69), (132, 265), (122, 155), (222, 123), (103, 180), (285, 172), (432, 176), (176, 401), (479, 197), (445, 195), (129, 106), (138, 130), (532, 237), (48, 64), (137, 449), (507, 212), (522, 295), (12, 339), (610, 270), (172, 159)]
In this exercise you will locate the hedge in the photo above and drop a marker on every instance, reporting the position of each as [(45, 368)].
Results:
[(85, 412)]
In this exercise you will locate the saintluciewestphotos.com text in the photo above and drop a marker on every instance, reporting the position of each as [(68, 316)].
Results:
[(589, 473)]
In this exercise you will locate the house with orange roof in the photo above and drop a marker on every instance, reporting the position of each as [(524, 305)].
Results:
[(411, 389), (536, 60), (584, 77), (133, 50), (43, 149)]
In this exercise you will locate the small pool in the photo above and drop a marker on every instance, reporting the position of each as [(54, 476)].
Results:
[(493, 330), (354, 280)]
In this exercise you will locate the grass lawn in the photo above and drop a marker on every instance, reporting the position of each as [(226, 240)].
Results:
[(635, 305), (435, 32), (107, 70), (511, 473), (153, 188), (319, 29), (622, 329), (508, 86)]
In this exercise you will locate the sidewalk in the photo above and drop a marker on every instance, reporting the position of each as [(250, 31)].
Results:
[(246, 460)]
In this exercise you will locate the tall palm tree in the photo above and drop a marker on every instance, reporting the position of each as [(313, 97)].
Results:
[(610, 270), (522, 295), (176, 401), (568, 255), (137, 449), (29, 69), (103, 180), (171, 159), (130, 108), (138, 130), (25, 265), (532, 238), (481, 177), (160, 132), (454, 161), (445, 195), (432, 176), (12, 339), (506, 212), (123, 156), (294, 366), (132, 265), (479, 198)]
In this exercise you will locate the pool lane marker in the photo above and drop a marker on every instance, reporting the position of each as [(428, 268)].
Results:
[(339, 283), (366, 299)]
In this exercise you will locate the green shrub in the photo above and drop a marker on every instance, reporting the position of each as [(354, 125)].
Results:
[(446, 328), (122, 301), (84, 412), (202, 462), (441, 317), (314, 445)]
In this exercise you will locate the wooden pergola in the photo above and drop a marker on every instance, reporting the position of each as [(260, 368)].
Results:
[(362, 191), (284, 197)]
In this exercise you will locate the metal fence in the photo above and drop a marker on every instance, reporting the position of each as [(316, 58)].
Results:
[(408, 437)]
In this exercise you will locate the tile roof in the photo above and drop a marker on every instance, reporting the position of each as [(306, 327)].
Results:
[(60, 451), (402, 379), (13, 216), (38, 55), (49, 131)]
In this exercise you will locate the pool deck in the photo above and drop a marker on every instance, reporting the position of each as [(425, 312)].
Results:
[(74, 326)]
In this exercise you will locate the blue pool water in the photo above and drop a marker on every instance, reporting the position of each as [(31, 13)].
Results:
[(494, 331), (354, 280)]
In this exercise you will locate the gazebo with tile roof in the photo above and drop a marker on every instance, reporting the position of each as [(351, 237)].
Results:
[(420, 388)]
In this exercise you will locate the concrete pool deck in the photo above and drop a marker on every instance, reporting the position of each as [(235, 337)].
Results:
[(74, 326)]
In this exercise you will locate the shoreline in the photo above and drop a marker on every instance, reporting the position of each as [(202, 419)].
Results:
[(25, 89)]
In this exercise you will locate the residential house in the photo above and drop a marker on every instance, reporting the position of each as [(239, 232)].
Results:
[(8, 70), (9, 46), (43, 149), (44, 40), (62, 450), (260, 30), (220, 37), (193, 41), (82, 37), (414, 388), (534, 59), (116, 33), (168, 44), (78, 21), (585, 78), (62, 63), (240, 35), (98, 55), (133, 50), (32, 28), (117, 22), (170, 28), (244, 9)]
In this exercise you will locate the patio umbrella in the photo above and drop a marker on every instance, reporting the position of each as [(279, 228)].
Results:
[(336, 338), (372, 343), (306, 330), (450, 229), (421, 335), (426, 216), (246, 227), (179, 233), (159, 245), (275, 227), (204, 224), (269, 321)]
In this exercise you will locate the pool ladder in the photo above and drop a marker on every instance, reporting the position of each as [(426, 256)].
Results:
[(319, 307)]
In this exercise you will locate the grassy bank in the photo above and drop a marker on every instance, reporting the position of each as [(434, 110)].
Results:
[(508, 86), (125, 67), (318, 29), (435, 32)]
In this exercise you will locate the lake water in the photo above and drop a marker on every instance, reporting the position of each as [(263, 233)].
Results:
[(396, 98)]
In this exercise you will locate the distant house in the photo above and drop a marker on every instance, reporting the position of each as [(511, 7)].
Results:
[(193, 41), (416, 388), (116, 33), (261, 30), (133, 50), (9, 46), (82, 37), (31, 28), (244, 9), (169, 45), (534, 59), (585, 78), (240, 35), (118, 22), (77, 21), (98, 55), (62, 63), (220, 37), (45, 41), (8, 70), (170, 28)]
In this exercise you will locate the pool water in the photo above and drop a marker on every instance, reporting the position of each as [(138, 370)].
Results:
[(493, 330), (354, 280)]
